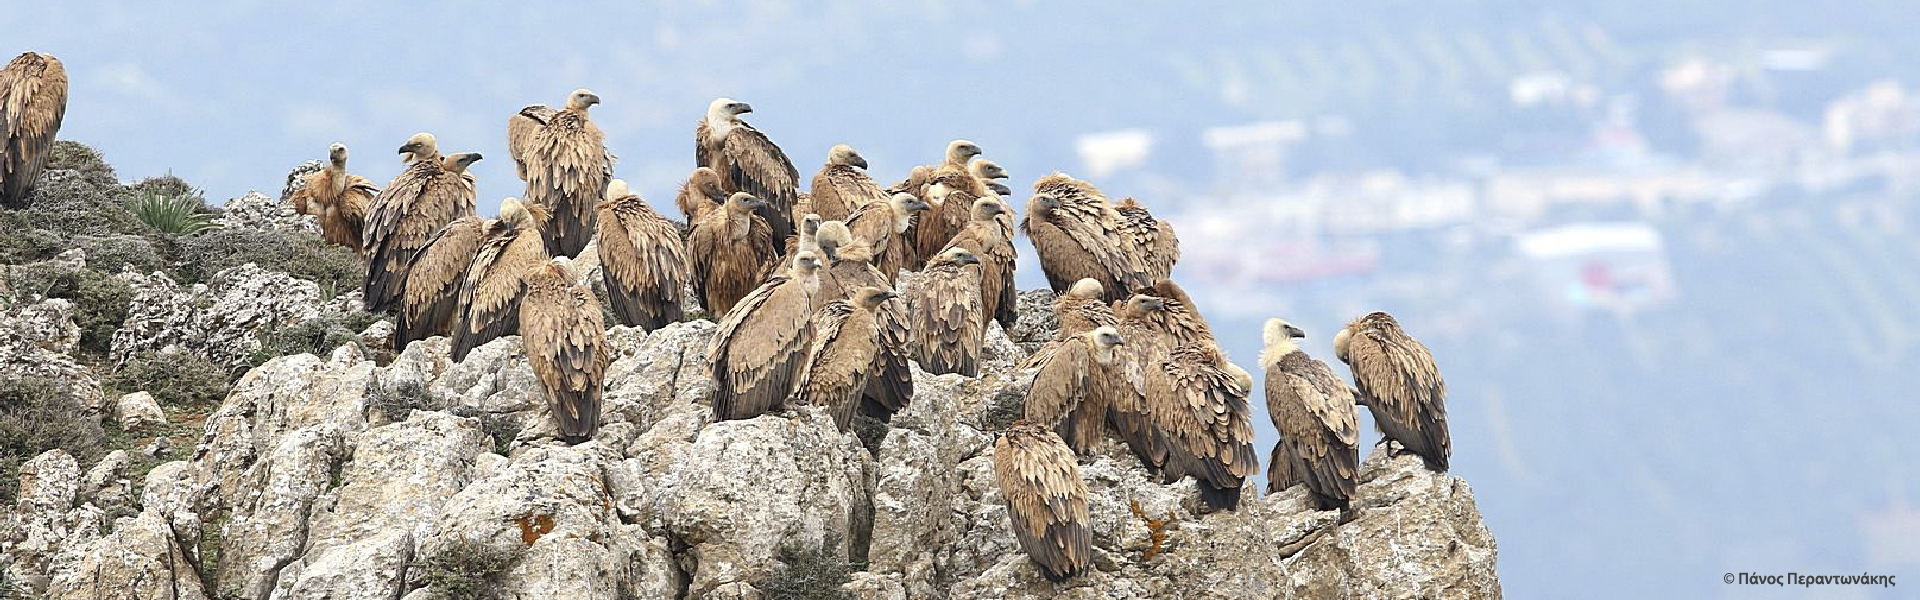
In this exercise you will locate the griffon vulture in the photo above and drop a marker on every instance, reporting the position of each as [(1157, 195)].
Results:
[(643, 261), (989, 241), (1077, 234), (1076, 386), (700, 192), (1152, 240), (1146, 347), (950, 190), (338, 200), (1313, 411), (948, 324), (989, 173), (420, 147), (884, 225), (1046, 500), (432, 192), (761, 346), (566, 344), (33, 99), (497, 280), (430, 299), (846, 339), (563, 158), (805, 228), (1399, 383), (748, 162), (1200, 406), (842, 186), (1078, 310), (728, 248), (849, 267)]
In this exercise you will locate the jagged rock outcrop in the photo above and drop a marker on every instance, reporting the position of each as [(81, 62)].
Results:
[(339, 477), (221, 319), (37, 339), (258, 211)]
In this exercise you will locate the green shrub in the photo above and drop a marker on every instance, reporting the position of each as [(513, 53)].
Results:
[(168, 185), (21, 242), (175, 214), (466, 570), (100, 307), (810, 574), (71, 205), (110, 253), (316, 336), (395, 401), (180, 380), (300, 254), (75, 156), (37, 415), (870, 431)]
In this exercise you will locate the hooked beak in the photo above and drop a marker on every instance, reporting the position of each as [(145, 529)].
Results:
[(1295, 332), (742, 108), (473, 157), (593, 99), (858, 161), (408, 147), (889, 295)]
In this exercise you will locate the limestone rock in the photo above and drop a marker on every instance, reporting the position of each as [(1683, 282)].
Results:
[(137, 410), (140, 559), (258, 211), (1037, 323), (220, 320), (36, 342)]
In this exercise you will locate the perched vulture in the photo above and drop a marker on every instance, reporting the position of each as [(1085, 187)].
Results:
[(431, 297), (883, 225), (421, 147), (748, 162), (1200, 404), (950, 190), (1076, 386), (490, 297), (760, 350), (849, 267), (843, 186), (1046, 500), (948, 324), (915, 183), (339, 200), (1078, 310), (1152, 240), (988, 240), (33, 98), (432, 192), (700, 192), (1313, 411), (805, 228), (1146, 347), (643, 261), (990, 173), (1077, 235), (727, 248), (563, 158), (1399, 383), (846, 338), (566, 344)]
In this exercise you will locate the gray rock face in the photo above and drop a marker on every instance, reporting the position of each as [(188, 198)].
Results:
[(337, 477), (220, 320), (36, 340), (258, 211), (137, 410)]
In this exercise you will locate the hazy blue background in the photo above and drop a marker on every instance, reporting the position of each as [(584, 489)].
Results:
[(1664, 251)]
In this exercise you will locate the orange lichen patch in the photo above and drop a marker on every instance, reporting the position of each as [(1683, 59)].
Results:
[(1156, 530), (533, 526)]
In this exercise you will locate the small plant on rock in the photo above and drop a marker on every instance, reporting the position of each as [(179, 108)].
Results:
[(466, 570), (177, 380), (177, 214), (37, 415), (810, 573)]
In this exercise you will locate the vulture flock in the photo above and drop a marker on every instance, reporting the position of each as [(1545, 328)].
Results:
[(802, 284)]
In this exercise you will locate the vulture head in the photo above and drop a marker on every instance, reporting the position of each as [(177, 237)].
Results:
[(957, 256), (1241, 378), (805, 262), (810, 224), (707, 182), (582, 98), (832, 236), (999, 189), (618, 189), (960, 151), (742, 202), (337, 153), (1043, 204), (420, 146), (1105, 340), (905, 204), (1282, 338), (870, 297), (1141, 304), (1087, 288), (842, 154), (985, 209), (522, 214), (458, 162), (727, 110), (986, 169)]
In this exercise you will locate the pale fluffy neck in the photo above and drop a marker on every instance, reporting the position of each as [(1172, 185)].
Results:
[(719, 123), (1278, 349)]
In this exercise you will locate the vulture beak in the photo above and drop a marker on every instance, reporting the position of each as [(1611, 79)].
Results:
[(742, 108), (593, 98), (1295, 332), (889, 295), (970, 260), (473, 157), (858, 161), (405, 148)]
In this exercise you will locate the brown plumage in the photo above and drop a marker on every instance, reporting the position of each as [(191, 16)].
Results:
[(849, 267), (761, 346), (883, 226), (948, 325), (915, 183), (987, 239), (1312, 409), (748, 162), (566, 344), (563, 158), (1146, 347), (495, 283), (1151, 240), (1046, 500), (700, 192), (846, 339), (1078, 310), (431, 297), (33, 100), (950, 194), (1199, 402), (842, 186), (643, 261), (1076, 387), (338, 200), (432, 192), (1400, 384), (727, 249), (1077, 235)]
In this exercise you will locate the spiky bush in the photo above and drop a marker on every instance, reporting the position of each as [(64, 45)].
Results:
[(183, 380), (37, 415), (300, 254), (466, 570), (314, 336), (171, 214)]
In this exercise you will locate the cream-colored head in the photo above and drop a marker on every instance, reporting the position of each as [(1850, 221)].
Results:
[(1282, 338), (1105, 341), (986, 169), (458, 163), (832, 236), (870, 297), (810, 224), (581, 99), (1241, 378), (421, 146), (1087, 288), (805, 262), (742, 202), (522, 214), (706, 181), (726, 110), (960, 151), (842, 154), (904, 204), (618, 189), (1340, 343), (1140, 304), (956, 256), (337, 154), (985, 209)]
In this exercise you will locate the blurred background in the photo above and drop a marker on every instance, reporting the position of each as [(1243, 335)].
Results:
[(1664, 252)]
